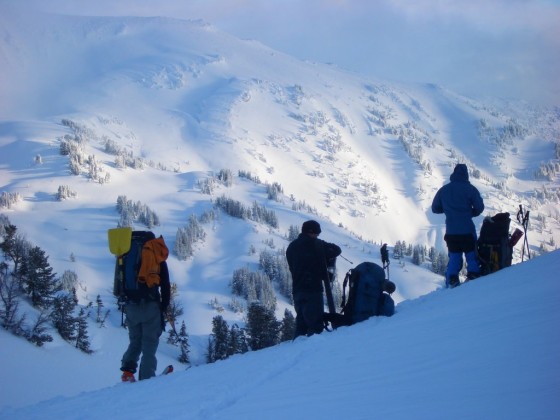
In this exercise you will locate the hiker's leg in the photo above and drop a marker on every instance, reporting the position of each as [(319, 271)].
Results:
[(473, 265), (130, 357), (453, 267), (151, 331), (299, 304), (313, 313), (455, 249)]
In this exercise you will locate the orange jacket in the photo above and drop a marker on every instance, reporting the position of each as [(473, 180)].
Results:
[(154, 253)]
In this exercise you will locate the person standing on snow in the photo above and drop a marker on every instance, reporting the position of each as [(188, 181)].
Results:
[(307, 259), (145, 317), (460, 201)]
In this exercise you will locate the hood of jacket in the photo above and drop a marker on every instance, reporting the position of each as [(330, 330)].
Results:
[(460, 173)]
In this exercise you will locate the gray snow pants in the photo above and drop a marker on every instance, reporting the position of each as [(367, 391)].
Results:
[(144, 329)]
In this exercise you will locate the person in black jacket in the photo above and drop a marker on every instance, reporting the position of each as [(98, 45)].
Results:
[(307, 259)]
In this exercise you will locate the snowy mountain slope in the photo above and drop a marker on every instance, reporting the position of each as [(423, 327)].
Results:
[(192, 99), (486, 349), (184, 101), (174, 84)]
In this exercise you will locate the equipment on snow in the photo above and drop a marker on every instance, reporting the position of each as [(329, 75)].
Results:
[(494, 244), (366, 290), (523, 219), (368, 295)]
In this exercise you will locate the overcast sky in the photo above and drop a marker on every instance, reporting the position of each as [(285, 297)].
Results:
[(504, 48)]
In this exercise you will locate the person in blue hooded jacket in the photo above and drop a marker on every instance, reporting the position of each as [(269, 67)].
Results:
[(460, 201)]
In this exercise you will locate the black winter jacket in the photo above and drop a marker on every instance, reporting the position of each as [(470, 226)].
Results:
[(307, 258)]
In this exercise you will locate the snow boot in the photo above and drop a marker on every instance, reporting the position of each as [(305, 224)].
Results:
[(472, 275), (453, 282), (128, 376)]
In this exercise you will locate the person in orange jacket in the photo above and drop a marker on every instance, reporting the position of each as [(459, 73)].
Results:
[(145, 310)]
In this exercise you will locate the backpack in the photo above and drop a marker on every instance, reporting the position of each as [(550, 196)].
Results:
[(366, 295), (137, 271), (494, 245)]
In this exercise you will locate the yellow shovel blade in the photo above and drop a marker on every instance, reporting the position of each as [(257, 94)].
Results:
[(119, 240)]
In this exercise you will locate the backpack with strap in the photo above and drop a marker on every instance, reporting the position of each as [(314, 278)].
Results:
[(366, 295), (494, 247), (137, 272)]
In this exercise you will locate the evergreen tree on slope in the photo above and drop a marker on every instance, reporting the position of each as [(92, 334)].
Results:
[(262, 327), (37, 278)]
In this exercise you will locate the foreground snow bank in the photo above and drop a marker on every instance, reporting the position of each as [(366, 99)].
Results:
[(487, 349)]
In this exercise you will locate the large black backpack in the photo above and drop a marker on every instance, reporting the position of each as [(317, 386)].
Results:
[(366, 296), (126, 284), (494, 246)]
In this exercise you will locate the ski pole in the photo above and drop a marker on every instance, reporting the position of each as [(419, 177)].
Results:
[(523, 219), (526, 226), (346, 259)]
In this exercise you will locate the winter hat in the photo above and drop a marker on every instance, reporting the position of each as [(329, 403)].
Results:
[(311, 226)]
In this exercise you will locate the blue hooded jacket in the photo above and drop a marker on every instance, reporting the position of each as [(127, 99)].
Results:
[(460, 201)]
